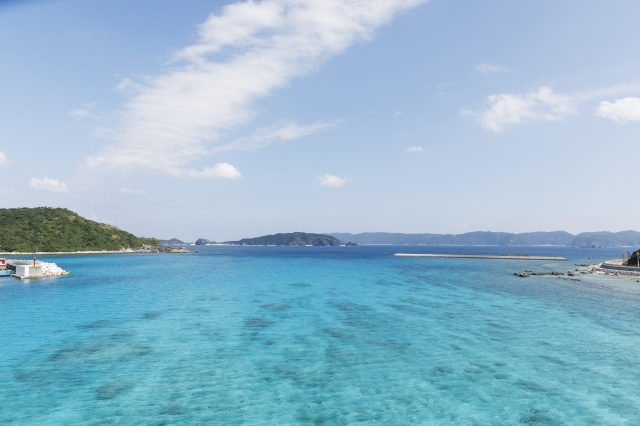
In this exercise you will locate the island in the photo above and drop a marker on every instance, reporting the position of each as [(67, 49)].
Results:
[(289, 239), (172, 242)]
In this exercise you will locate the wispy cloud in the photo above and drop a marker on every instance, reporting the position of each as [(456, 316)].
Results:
[(621, 111), (487, 68), (414, 149), (131, 191), (280, 132), (3, 159), (6, 191), (332, 181), (83, 112), (243, 54), (397, 113), (48, 184)]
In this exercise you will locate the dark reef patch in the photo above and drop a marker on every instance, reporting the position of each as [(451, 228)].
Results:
[(276, 306), (352, 307), (530, 386), (300, 285), (172, 410), (95, 325), (537, 417), (151, 315), (112, 390), (258, 323)]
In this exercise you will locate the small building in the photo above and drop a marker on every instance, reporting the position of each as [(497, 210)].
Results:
[(24, 269), (28, 271)]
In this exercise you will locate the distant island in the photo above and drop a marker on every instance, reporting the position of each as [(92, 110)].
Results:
[(47, 229), (290, 239), (559, 238), (171, 242)]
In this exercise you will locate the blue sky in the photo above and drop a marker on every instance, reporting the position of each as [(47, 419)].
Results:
[(229, 120)]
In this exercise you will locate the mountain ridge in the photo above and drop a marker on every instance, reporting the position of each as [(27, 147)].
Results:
[(560, 238)]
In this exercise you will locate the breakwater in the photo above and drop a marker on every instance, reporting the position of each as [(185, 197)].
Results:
[(482, 256)]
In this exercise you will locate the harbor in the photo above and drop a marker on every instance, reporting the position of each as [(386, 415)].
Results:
[(29, 269)]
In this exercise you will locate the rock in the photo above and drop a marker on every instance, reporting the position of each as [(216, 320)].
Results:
[(351, 243), (556, 273), (202, 242), (523, 275), (149, 249), (176, 250)]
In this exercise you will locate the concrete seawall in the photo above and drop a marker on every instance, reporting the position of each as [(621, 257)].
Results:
[(481, 256), (617, 268)]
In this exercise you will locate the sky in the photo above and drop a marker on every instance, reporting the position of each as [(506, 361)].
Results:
[(227, 120)]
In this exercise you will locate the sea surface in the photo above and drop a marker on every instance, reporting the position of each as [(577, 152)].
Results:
[(322, 336)]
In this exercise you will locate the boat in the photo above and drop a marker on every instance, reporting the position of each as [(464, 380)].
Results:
[(6, 273)]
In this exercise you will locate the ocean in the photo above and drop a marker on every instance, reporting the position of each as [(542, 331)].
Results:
[(320, 335)]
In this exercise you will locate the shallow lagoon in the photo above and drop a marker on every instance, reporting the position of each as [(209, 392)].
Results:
[(311, 335)]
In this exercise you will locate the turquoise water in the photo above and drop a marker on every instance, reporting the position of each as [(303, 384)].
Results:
[(310, 335)]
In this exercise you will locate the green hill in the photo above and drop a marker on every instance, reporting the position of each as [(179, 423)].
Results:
[(290, 239), (47, 229)]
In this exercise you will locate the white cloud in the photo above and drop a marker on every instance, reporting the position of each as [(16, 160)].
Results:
[(48, 184), (280, 132), (3, 159), (332, 181), (131, 191), (83, 112), (246, 52), (487, 68), (621, 111), (543, 105), (414, 149), (397, 113), (218, 171)]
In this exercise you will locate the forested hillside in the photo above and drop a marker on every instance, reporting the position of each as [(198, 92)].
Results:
[(55, 229)]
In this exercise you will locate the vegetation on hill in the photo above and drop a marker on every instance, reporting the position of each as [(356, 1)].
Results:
[(47, 229), (290, 239), (633, 260)]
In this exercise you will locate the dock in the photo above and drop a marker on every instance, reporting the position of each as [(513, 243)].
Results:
[(483, 256)]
